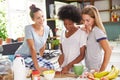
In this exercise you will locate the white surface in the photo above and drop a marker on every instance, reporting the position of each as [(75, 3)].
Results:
[(68, 78), (115, 57), (105, 16), (102, 5)]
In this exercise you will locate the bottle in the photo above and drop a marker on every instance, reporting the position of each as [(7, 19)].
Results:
[(112, 16), (1, 50), (115, 17), (19, 69), (51, 36), (35, 75), (51, 33)]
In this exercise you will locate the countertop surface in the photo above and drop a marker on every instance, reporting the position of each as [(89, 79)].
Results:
[(70, 77)]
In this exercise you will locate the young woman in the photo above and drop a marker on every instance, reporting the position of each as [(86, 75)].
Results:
[(73, 39), (34, 43), (96, 41)]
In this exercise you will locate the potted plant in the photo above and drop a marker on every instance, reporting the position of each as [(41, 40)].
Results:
[(55, 43), (3, 32), (3, 21)]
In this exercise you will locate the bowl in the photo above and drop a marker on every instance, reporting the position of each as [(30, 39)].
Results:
[(49, 74)]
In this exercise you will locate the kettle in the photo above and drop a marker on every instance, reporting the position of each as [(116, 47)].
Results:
[(19, 69)]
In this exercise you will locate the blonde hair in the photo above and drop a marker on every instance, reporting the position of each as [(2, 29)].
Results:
[(94, 13)]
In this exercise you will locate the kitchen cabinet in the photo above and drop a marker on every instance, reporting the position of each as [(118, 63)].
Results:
[(109, 10), (115, 11), (50, 12)]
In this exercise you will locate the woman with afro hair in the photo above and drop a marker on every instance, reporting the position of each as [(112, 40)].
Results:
[(73, 39)]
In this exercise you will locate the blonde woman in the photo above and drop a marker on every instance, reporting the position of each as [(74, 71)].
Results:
[(97, 40)]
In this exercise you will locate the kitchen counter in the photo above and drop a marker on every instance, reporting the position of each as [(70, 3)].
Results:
[(61, 77), (70, 77), (64, 77), (115, 56)]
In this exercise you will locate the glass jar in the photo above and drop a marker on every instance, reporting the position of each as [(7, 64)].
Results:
[(6, 72), (35, 75)]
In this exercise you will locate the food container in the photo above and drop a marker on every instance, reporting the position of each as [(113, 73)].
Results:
[(49, 74), (35, 75), (6, 72)]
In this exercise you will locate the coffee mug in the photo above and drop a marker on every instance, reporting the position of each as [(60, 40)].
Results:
[(78, 69)]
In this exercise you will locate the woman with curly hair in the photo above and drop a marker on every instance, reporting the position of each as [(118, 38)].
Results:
[(73, 39)]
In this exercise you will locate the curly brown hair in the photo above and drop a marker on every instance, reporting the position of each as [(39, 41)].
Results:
[(70, 12)]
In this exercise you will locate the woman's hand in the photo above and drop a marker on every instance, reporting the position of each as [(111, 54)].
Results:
[(41, 69), (65, 70), (84, 29)]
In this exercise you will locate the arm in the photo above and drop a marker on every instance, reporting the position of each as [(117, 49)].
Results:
[(107, 53), (30, 42), (33, 52), (42, 50), (77, 60), (61, 58)]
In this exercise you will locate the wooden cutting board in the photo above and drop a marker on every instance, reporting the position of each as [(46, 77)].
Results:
[(65, 75)]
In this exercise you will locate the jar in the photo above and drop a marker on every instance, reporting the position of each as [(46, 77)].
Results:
[(35, 75), (6, 72)]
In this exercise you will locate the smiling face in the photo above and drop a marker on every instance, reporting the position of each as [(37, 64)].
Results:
[(69, 24), (38, 18), (88, 21), (91, 18)]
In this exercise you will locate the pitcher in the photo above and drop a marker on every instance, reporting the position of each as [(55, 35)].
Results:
[(19, 68)]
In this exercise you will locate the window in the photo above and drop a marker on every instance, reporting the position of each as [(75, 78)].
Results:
[(18, 16)]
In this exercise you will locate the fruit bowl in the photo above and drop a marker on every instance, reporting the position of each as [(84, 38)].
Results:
[(49, 74)]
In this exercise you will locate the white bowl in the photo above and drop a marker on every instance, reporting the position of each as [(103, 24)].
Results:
[(49, 74)]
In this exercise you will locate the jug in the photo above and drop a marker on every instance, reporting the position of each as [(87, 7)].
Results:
[(19, 68)]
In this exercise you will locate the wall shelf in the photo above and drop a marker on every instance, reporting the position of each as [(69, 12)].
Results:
[(51, 19), (115, 9), (68, 1), (105, 7)]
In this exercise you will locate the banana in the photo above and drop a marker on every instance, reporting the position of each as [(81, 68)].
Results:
[(113, 73), (100, 74)]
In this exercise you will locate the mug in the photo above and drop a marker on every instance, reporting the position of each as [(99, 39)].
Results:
[(78, 69)]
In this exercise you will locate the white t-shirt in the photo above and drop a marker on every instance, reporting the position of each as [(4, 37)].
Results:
[(93, 57), (71, 46)]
